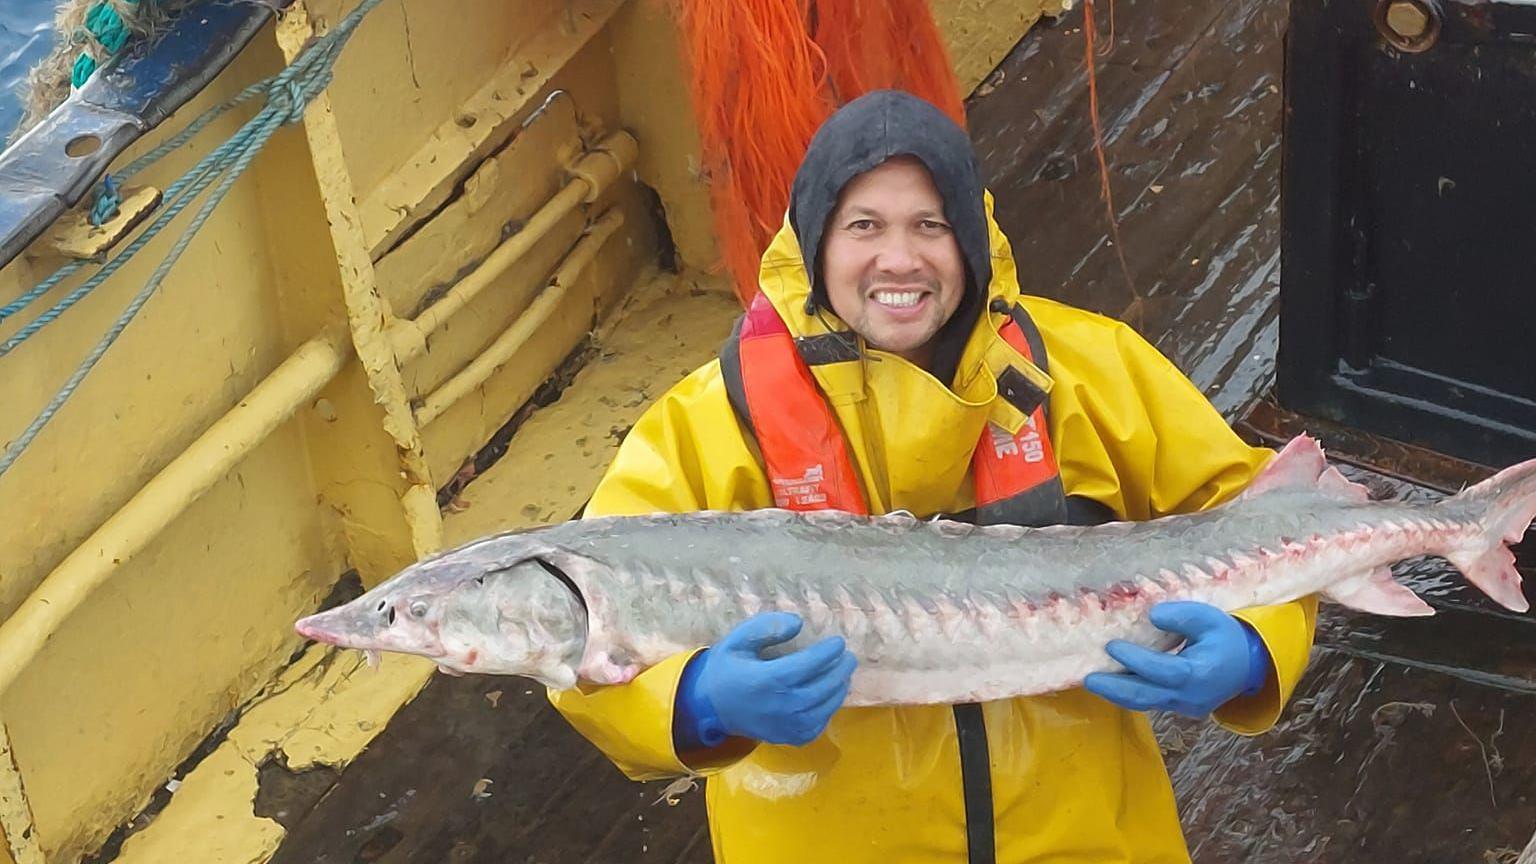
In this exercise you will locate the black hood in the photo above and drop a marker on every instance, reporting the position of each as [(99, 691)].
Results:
[(865, 133)]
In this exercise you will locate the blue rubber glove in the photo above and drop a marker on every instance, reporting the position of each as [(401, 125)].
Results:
[(729, 689), (1222, 658)]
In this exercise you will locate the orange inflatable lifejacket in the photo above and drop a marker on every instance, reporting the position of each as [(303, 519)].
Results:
[(806, 458)]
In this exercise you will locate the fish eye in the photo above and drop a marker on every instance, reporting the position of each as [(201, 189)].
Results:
[(418, 609)]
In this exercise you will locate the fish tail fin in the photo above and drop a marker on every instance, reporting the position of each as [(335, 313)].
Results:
[(1505, 504)]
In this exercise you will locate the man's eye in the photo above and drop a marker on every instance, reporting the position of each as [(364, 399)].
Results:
[(862, 225), (931, 225)]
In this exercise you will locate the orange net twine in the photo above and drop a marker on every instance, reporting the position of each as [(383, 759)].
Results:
[(1133, 313), (763, 76)]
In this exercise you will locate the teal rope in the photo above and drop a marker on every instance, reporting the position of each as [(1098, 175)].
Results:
[(39, 290), (181, 193), (107, 27), (170, 197), (108, 200), (288, 93), (260, 88), (133, 168), (196, 126)]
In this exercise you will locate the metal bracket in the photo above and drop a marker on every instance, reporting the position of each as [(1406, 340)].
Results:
[(54, 165)]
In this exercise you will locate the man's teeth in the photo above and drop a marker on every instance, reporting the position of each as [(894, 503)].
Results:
[(898, 298)]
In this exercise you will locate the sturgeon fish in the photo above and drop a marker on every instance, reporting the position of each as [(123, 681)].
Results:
[(935, 611)]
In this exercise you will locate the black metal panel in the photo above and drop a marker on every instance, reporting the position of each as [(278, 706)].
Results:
[(1408, 286)]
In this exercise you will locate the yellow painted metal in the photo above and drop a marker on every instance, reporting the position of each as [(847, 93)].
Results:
[(468, 229), (164, 650), (527, 325), (655, 104), (199, 345), (355, 469), (434, 258), (448, 115), (15, 812), (591, 177), (980, 33), (218, 827), (606, 163), (366, 313), (199, 617), (222, 465), (508, 189), (322, 710), (164, 498), (409, 336), (59, 793)]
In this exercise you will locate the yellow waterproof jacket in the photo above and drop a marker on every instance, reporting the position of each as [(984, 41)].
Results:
[(1074, 778)]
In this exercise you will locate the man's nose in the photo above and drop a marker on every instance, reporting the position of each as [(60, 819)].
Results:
[(898, 255)]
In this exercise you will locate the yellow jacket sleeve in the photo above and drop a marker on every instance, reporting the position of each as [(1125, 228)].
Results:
[(1136, 435), (1287, 631), (659, 469)]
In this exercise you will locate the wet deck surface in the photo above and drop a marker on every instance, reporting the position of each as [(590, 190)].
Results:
[(1190, 105), (480, 769), (1405, 742)]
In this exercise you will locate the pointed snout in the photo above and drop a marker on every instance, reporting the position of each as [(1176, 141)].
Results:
[(315, 627)]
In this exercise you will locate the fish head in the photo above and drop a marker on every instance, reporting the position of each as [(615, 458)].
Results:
[(395, 616), (404, 614), (526, 618), (499, 605)]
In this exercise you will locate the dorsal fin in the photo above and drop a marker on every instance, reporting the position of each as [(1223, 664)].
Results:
[(1336, 484), (1298, 465), (1302, 465)]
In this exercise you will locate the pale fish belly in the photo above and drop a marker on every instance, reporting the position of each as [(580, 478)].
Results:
[(972, 650), (972, 644), (966, 650)]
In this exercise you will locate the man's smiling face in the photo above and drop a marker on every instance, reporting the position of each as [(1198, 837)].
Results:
[(889, 260)]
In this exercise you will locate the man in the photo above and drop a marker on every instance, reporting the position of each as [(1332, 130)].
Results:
[(890, 363)]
